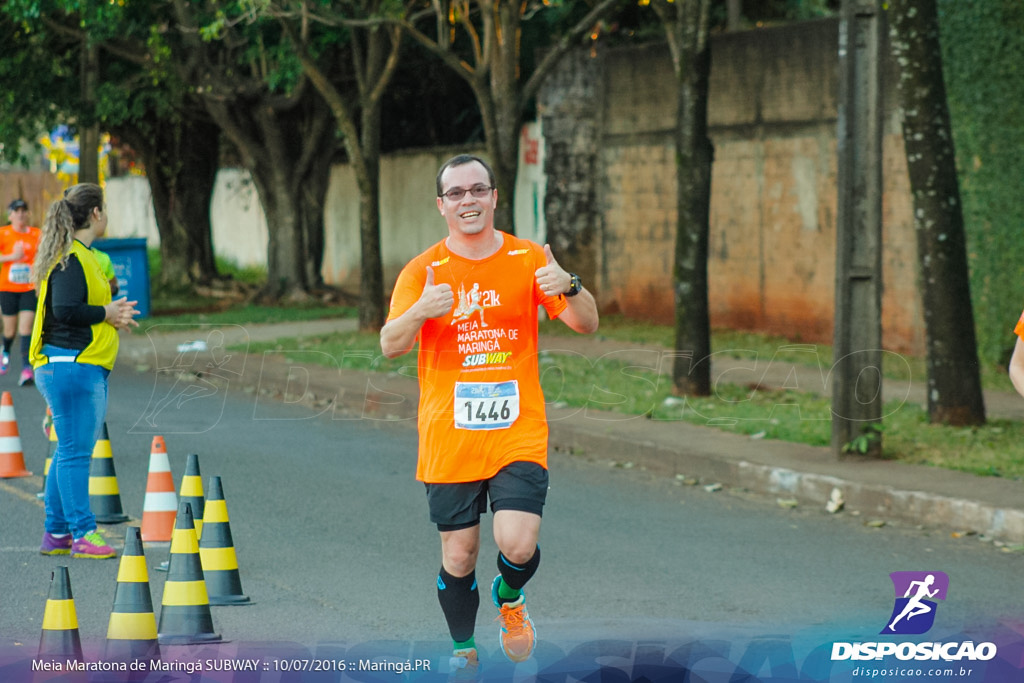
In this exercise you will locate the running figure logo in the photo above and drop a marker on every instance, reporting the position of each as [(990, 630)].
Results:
[(469, 303), (916, 592)]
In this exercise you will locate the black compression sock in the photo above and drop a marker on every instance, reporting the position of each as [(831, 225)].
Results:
[(460, 600)]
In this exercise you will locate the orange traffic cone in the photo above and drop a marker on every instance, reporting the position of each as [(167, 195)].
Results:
[(185, 617), (104, 494), (52, 435), (60, 640), (217, 552), (12, 460), (160, 503), (131, 633)]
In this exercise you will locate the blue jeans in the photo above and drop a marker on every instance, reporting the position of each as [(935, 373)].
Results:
[(77, 396)]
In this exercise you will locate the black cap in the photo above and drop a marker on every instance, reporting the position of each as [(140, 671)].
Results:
[(17, 204)]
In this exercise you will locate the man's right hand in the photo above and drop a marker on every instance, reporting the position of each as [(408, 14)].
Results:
[(436, 300)]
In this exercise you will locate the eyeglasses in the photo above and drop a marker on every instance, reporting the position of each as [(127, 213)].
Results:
[(457, 193)]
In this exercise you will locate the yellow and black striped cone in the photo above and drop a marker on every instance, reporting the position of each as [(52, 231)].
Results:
[(104, 494), (217, 552), (191, 493), (131, 632), (60, 639), (52, 435), (185, 617)]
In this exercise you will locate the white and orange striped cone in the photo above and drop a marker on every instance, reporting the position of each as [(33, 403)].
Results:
[(12, 460), (160, 506)]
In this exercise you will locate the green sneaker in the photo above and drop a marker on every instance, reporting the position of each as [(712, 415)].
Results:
[(92, 546)]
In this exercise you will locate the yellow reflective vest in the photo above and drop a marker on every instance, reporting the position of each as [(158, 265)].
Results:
[(102, 349)]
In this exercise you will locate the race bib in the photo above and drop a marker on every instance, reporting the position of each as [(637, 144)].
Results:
[(486, 405), (20, 273)]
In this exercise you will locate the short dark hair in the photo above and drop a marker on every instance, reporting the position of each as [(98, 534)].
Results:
[(17, 204), (459, 160)]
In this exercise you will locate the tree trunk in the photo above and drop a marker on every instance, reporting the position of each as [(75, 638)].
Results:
[(181, 160), (569, 104), (89, 130), (371, 281), (954, 382), (279, 146), (691, 371)]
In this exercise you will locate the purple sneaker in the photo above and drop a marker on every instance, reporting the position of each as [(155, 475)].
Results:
[(92, 547), (53, 545)]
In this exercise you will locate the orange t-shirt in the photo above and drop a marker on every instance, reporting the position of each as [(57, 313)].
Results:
[(481, 406), (16, 276)]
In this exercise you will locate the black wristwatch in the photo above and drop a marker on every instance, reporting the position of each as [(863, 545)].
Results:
[(575, 285)]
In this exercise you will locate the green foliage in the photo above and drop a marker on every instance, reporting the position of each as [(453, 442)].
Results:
[(36, 69), (869, 436), (983, 62)]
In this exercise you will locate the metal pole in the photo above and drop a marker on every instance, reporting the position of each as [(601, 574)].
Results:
[(857, 382)]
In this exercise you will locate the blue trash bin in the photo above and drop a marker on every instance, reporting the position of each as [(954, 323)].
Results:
[(131, 265)]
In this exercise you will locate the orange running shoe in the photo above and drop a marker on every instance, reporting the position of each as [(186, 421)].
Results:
[(517, 636)]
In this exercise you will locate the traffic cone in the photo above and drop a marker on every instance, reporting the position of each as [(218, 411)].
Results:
[(104, 494), (191, 492), (185, 617), (131, 633), (52, 435), (217, 552), (160, 503), (12, 460), (60, 640)]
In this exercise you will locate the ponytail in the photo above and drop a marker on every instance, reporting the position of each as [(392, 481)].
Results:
[(63, 219)]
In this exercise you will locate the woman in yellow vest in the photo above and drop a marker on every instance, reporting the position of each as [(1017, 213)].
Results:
[(74, 344)]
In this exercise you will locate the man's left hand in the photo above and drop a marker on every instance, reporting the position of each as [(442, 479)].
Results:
[(551, 277)]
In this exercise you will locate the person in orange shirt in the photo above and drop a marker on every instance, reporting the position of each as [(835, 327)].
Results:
[(1016, 369), (471, 301), (18, 244)]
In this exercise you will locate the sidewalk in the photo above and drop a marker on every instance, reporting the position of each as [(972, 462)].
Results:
[(876, 490)]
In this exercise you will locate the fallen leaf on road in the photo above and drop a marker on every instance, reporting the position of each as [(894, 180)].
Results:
[(788, 502)]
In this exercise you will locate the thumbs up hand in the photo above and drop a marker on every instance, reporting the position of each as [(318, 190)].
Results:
[(436, 300), (551, 277)]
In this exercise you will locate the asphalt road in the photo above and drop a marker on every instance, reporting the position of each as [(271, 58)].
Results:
[(337, 555)]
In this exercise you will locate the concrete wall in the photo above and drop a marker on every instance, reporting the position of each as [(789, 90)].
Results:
[(772, 115), (238, 224)]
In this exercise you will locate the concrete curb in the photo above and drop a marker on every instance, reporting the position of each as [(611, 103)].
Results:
[(871, 500)]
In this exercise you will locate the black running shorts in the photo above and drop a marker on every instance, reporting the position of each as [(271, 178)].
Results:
[(11, 303), (518, 486)]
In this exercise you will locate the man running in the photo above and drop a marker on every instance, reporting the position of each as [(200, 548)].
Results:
[(482, 424)]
